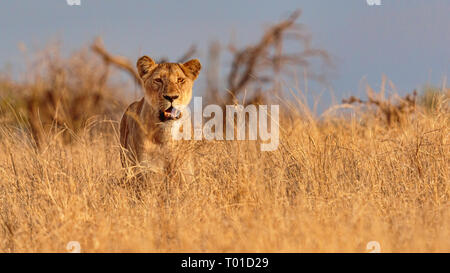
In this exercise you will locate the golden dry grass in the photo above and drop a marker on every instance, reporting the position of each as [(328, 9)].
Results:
[(331, 186)]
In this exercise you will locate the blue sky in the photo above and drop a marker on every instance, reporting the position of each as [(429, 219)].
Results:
[(407, 40)]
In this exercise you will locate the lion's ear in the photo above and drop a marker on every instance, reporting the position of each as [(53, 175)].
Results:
[(144, 65), (192, 68)]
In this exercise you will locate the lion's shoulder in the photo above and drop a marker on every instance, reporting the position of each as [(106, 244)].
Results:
[(129, 119)]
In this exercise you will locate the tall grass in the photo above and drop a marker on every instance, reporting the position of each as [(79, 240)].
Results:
[(331, 186)]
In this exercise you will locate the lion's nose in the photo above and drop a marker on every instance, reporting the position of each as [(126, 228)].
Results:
[(170, 98)]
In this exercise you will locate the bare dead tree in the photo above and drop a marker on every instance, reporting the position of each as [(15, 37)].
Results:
[(249, 64)]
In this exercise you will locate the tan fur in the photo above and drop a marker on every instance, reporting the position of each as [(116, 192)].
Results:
[(143, 135)]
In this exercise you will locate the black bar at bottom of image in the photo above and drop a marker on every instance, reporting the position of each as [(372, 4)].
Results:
[(223, 262)]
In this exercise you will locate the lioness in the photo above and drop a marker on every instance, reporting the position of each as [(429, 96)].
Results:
[(145, 128)]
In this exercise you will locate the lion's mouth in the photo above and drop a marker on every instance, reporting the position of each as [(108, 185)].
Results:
[(170, 113)]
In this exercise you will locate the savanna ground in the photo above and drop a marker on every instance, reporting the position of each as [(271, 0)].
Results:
[(335, 183)]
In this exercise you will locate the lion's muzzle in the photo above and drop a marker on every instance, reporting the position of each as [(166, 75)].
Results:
[(170, 113)]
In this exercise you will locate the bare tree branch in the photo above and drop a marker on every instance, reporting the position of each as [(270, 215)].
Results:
[(119, 61), (267, 55)]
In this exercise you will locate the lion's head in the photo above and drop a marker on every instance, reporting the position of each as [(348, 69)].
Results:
[(168, 86)]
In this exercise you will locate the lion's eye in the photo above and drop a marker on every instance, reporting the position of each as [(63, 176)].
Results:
[(157, 80), (180, 80)]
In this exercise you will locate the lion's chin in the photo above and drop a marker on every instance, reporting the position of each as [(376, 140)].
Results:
[(170, 113)]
